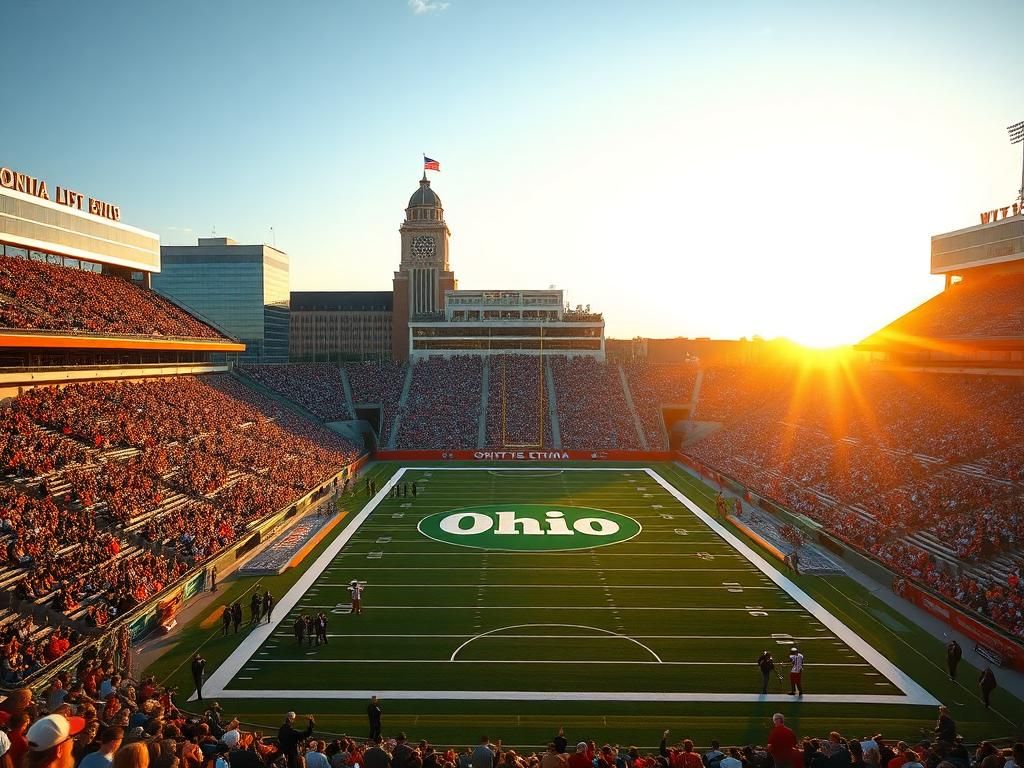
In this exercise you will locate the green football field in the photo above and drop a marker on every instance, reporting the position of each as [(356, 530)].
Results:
[(505, 597)]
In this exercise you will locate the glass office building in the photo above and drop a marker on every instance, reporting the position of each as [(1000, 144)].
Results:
[(243, 289)]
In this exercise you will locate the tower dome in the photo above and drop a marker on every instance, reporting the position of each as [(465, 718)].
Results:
[(424, 196)]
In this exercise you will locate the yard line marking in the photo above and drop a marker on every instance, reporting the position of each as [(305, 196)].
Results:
[(542, 568), (553, 586)]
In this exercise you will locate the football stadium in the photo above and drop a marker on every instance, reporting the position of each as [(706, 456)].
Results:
[(250, 526)]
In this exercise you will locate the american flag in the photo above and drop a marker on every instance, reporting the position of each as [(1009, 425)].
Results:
[(430, 165)]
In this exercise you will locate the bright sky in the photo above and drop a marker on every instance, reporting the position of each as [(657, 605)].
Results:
[(688, 168)]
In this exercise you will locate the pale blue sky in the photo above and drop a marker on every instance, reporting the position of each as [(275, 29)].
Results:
[(716, 169)]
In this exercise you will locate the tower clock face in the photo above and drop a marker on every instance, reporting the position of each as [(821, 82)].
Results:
[(423, 246)]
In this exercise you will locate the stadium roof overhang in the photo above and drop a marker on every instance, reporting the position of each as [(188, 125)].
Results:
[(49, 340)]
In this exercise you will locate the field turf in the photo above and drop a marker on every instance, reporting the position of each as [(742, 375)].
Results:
[(622, 639)]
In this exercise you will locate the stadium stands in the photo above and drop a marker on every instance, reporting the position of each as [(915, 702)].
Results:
[(517, 403), (653, 385), (46, 297), (143, 718), (592, 409), (378, 383), (444, 404), (140, 481), (317, 387), (927, 458), (981, 307)]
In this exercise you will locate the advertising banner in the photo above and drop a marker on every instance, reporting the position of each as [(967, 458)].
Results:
[(1012, 653), (524, 454)]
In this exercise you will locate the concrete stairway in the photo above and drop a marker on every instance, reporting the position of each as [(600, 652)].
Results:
[(347, 386), (556, 431), (695, 395), (485, 390), (397, 423), (641, 433)]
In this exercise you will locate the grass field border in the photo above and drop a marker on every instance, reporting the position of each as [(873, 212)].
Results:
[(216, 686)]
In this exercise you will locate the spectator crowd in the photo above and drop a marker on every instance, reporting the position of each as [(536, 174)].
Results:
[(443, 409), (878, 457), (517, 402), (35, 295), (145, 480), (102, 719)]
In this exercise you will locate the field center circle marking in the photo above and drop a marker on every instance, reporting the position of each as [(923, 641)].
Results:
[(656, 657)]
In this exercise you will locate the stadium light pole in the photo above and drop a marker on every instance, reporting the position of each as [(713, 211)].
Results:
[(1017, 137)]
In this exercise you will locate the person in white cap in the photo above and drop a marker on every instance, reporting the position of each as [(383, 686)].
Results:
[(233, 734), (50, 743), (796, 671)]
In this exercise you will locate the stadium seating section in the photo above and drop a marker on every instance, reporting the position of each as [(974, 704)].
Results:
[(378, 384), (443, 410), (592, 411), (990, 306), (46, 297), (139, 481), (317, 387), (517, 403), (653, 386), (921, 471)]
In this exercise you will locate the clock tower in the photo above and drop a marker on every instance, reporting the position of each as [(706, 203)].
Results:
[(423, 274)]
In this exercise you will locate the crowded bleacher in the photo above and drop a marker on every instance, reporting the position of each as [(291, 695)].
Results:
[(378, 384), (140, 481), (443, 409), (38, 296), (655, 385), (895, 464), (317, 387), (104, 717), (517, 402), (981, 306), (592, 410)]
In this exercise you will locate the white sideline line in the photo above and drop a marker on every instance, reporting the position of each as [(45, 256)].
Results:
[(216, 686), (656, 696), (601, 637), (538, 661), (914, 693), (538, 568)]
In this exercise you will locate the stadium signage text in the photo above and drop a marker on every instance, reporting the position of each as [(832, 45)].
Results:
[(1007, 212), (529, 527), (30, 185), (520, 455)]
